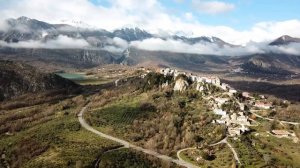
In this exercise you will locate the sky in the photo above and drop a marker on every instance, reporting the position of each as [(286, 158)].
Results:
[(235, 21)]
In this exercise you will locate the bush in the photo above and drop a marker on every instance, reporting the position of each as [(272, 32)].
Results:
[(153, 80), (73, 126), (147, 107)]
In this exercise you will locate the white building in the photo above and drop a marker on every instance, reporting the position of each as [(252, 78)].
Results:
[(225, 86), (220, 112), (221, 101), (232, 91), (263, 105), (199, 87)]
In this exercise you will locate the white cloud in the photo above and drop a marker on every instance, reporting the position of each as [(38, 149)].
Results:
[(147, 14), (169, 45), (189, 16), (120, 42), (116, 45), (3, 25), (212, 7), (60, 42)]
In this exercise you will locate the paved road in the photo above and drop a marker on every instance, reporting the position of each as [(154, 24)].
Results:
[(181, 150), (220, 142), (128, 145), (270, 119)]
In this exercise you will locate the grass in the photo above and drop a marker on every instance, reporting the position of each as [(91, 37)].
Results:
[(223, 158), (79, 147), (127, 158), (83, 79), (59, 142), (248, 155), (284, 151), (120, 112), (188, 159)]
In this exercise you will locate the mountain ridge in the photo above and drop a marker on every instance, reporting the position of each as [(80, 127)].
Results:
[(15, 34)]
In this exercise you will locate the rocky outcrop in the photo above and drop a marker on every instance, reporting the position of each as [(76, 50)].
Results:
[(181, 85)]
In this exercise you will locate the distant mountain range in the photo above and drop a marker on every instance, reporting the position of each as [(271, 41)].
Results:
[(24, 29), (284, 40)]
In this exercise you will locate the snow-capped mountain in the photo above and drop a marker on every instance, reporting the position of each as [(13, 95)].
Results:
[(132, 34), (24, 29), (284, 40), (77, 24), (202, 40)]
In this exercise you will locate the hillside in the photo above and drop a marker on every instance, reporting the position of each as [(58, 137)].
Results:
[(17, 79), (280, 64)]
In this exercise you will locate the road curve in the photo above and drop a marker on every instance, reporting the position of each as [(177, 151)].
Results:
[(270, 119), (220, 142), (181, 150), (129, 145), (230, 147)]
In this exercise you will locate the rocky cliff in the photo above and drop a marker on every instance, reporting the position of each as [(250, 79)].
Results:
[(181, 85)]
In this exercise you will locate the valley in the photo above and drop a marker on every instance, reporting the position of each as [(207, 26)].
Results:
[(85, 97)]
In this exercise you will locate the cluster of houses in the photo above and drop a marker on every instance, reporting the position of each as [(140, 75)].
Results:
[(199, 79), (236, 123)]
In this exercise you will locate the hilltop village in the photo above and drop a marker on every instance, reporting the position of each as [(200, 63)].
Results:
[(236, 121), (232, 106)]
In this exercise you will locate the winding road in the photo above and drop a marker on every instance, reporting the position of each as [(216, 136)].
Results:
[(236, 157), (129, 145), (270, 119), (220, 142), (181, 150)]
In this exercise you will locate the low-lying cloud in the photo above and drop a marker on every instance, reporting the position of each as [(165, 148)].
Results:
[(61, 42), (3, 25), (156, 44), (118, 45)]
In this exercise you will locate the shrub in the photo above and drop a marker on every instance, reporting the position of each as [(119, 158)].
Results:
[(73, 126), (147, 107)]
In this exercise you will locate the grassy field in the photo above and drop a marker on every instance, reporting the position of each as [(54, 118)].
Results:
[(120, 112), (248, 154), (124, 158), (59, 141), (84, 79), (223, 157), (282, 151)]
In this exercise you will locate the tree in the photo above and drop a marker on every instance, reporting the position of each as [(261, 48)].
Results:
[(205, 155)]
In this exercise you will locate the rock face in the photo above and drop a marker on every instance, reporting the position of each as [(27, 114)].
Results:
[(181, 85)]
